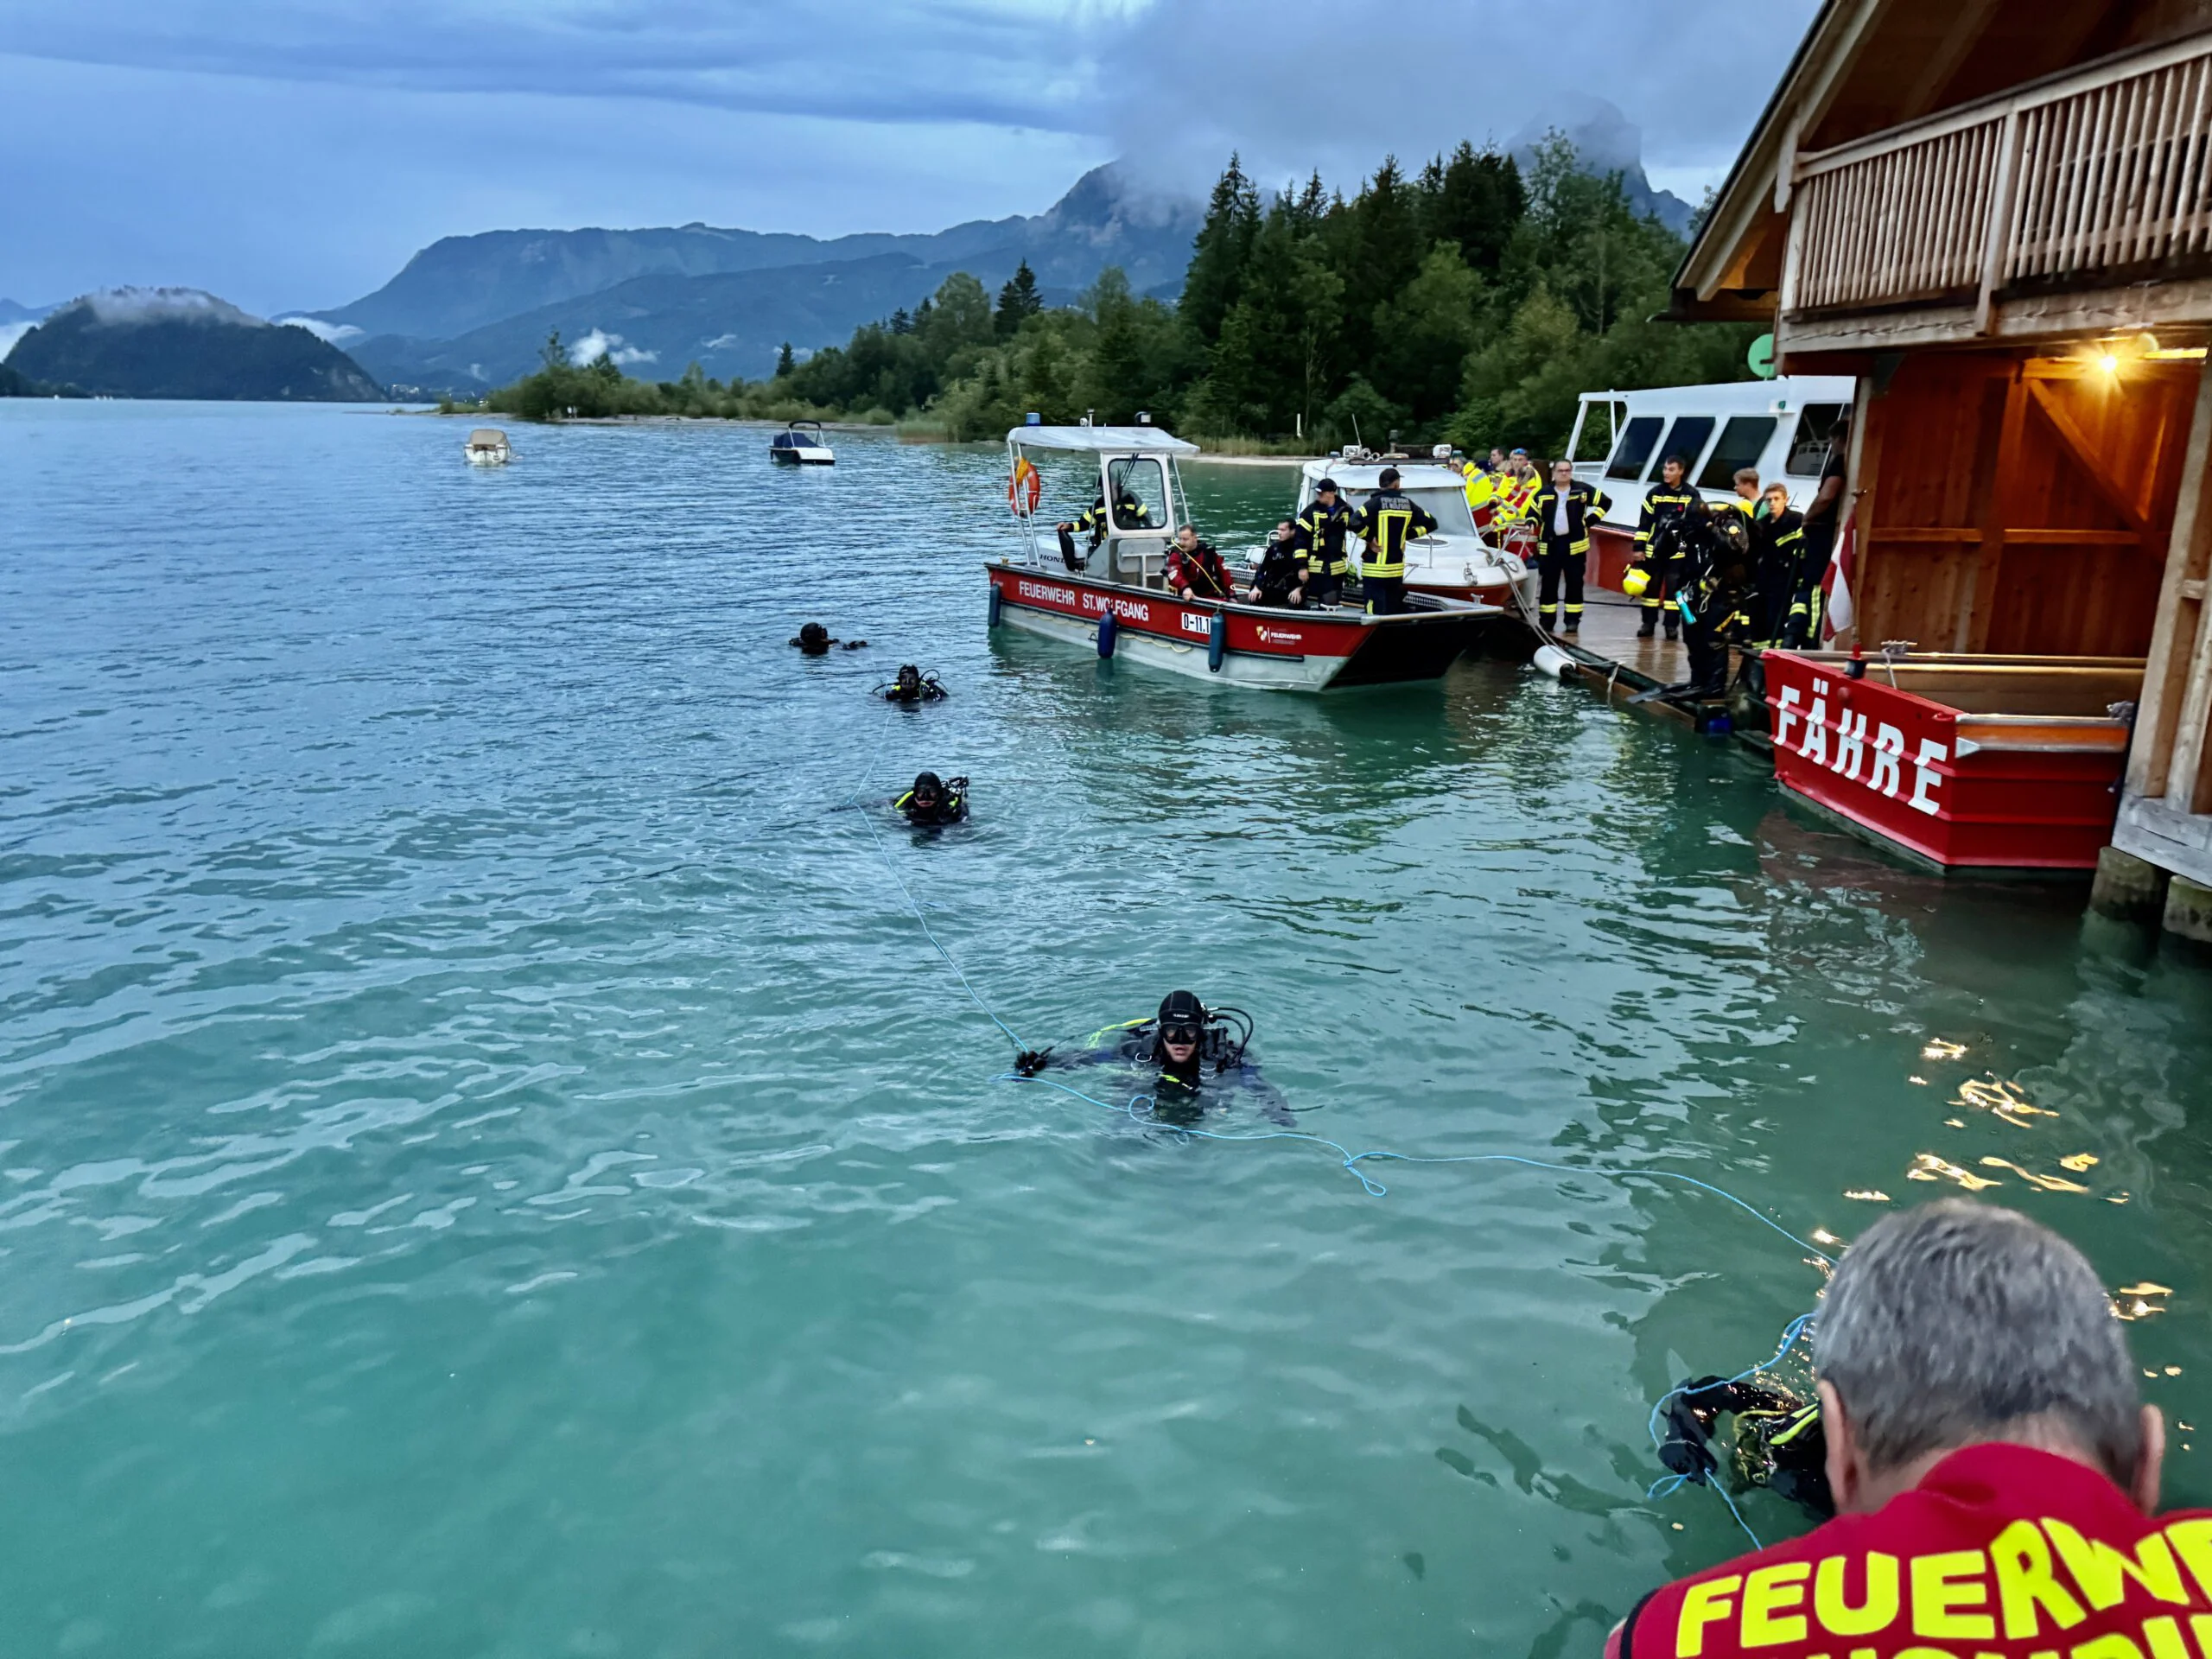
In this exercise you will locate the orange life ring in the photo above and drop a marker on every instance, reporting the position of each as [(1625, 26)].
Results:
[(1024, 474)]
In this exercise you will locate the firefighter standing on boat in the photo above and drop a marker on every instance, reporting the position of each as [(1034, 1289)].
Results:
[(1322, 529), (1563, 511), (1389, 521)]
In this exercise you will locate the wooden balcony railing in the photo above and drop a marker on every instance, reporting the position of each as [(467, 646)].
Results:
[(2096, 176)]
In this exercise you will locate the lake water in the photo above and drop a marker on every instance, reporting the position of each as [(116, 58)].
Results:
[(490, 1165)]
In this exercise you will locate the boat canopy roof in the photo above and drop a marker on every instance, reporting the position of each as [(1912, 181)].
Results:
[(486, 437), (1101, 439)]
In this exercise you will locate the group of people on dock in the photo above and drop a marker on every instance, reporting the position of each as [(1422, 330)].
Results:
[(1762, 588)]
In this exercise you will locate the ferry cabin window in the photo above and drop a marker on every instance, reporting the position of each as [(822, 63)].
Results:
[(1808, 449), (1144, 479), (1685, 438), (1639, 439), (1742, 440), (1601, 424)]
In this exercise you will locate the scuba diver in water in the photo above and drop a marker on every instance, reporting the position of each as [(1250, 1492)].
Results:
[(913, 687), (1779, 1442), (933, 801), (815, 640), (1185, 1041)]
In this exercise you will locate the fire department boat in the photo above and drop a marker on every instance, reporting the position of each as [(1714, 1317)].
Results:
[(1455, 561), (1114, 597)]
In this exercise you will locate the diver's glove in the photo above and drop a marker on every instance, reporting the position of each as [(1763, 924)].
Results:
[(1687, 1449), (1031, 1061)]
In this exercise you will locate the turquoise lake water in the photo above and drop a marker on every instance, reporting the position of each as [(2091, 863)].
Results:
[(489, 1165)]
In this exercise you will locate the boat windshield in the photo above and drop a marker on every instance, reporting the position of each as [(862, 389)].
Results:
[(1449, 508)]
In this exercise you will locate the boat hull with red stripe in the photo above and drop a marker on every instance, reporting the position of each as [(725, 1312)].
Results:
[(1265, 646)]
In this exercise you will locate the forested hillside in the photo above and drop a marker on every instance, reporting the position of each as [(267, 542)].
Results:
[(1465, 302)]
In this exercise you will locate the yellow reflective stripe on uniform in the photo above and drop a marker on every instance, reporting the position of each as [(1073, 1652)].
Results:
[(1386, 548)]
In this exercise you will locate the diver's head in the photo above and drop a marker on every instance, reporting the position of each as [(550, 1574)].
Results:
[(1182, 1027), (814, 639), (910, 678), (929, 789)]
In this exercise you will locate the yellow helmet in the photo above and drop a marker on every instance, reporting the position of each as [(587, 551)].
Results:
[(1636, 581)]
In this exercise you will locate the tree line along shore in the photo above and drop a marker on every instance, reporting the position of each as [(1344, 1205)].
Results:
[(1469, 303)]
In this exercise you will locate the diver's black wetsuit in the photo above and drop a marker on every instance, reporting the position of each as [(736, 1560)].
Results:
[(1218, 1068), (1779, 1444), (930, 803)]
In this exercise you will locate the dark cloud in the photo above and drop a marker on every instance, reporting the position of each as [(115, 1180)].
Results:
[(1297, 85), (898, 61)]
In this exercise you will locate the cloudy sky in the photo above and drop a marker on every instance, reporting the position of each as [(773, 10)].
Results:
[(293, 153)]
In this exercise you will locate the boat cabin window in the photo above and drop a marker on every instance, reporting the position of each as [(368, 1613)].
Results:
[(1808, 448), (1143, 480), (1639, 439), (1594, 432), (1742, 440), (1685, 438)]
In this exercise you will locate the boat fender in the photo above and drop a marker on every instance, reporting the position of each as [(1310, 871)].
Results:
[(1217, 641), (1110, 628), (994, 605), (1554, 661)]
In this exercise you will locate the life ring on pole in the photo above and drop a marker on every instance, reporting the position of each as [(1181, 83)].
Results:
[(1024, 481)]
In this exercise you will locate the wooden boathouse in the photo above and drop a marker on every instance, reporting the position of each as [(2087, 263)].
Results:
[(1999, 217)]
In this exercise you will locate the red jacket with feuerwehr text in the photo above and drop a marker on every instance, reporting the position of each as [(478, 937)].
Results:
[(2002, 1551)]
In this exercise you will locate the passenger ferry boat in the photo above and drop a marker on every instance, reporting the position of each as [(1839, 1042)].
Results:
[(1781, 427), (802, 444), (1454, 561), (1114, 597)]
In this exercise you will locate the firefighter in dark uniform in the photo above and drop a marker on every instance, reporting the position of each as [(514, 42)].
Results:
[(1323, 526), (1128, 512), (1668, 498), (1777, 550), (1563, 511), (1388, 522)]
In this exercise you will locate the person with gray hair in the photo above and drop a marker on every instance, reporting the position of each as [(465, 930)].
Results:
[(1994, 1470)]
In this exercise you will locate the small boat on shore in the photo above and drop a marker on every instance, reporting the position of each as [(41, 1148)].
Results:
[(1114, 598), (487, 446), (1453, 561), (801, 444)]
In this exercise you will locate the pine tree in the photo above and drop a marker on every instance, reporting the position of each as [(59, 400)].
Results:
[(1018, 300), (784, 361), (900, 322), (1477, 201), (1222, 254)]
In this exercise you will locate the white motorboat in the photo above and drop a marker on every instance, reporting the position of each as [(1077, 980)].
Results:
[(487, 446), (1113, 596), (1453, 561), (801, 444), (1780, 427)]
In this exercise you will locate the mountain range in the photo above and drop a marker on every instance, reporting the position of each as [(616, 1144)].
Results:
[(470, 312)]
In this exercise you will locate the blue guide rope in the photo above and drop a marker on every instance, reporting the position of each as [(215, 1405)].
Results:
[(1664, 1487)]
